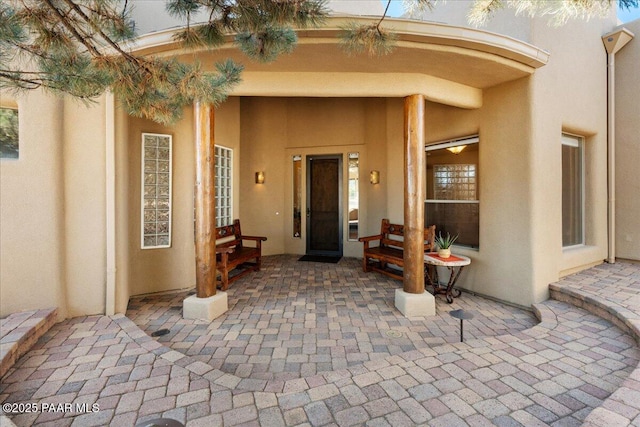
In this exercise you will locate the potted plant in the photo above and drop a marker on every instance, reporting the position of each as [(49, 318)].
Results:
[(444, 244)]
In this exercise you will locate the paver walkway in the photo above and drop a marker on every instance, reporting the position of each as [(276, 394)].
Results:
[(554, 373)]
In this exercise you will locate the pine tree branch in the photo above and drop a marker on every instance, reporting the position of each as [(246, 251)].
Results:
[(99, 31), (64, 21), (384, 14), (14, 77)]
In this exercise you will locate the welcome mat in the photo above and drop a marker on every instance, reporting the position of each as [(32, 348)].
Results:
[(320, 258)]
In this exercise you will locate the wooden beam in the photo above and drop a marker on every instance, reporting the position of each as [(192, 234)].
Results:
[(205, 202), (414, 185)]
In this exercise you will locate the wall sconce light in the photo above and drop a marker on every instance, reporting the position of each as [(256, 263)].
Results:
[(457, 149), (260, 177), (374, 177)]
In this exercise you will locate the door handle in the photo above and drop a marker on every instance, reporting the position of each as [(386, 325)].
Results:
[(308, 212)]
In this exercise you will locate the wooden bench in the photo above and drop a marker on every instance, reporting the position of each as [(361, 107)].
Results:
[(231, 254), (390, 248)]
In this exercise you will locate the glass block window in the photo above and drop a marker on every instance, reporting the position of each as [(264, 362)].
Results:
[(454, 182), (156, 190), (224, 168)]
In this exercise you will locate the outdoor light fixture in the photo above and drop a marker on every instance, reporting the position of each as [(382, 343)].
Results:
[(457, 149), (260, 177), (374, 177)]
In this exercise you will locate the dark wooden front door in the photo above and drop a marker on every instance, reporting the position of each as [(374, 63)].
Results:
[(324, 205)]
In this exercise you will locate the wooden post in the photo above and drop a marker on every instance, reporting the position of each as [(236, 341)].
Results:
[(414, 185), (205, 202)]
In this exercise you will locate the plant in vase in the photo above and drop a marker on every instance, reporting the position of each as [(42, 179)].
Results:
[(444, 244)]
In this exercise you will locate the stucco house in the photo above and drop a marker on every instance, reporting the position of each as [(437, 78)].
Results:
[(532, 194)]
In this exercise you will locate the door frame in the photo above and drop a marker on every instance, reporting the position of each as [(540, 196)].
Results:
[(309, 160)]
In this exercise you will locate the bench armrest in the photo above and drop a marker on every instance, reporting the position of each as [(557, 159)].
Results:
[(256, 238), (370, 238)]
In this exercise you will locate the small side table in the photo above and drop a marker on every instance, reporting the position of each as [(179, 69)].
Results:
[(453, 262)]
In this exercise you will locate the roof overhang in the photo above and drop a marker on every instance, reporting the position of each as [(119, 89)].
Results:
[(448, 64)]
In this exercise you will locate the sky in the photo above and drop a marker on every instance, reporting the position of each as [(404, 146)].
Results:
[(628, 15), (624, 15)]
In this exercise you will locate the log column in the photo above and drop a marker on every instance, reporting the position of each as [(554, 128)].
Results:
[(414, 186), (205, 202)]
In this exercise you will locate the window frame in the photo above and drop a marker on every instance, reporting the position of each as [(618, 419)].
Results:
[(142, 190), (577, 141), (443, 145), (353, 184)]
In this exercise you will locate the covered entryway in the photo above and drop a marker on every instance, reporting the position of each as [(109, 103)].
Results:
[(317, 101)]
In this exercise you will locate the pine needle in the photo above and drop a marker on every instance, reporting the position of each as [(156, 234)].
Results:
[(371, 39)]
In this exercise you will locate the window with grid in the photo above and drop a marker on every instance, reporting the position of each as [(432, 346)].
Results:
[(156, 190), (454, 182), (224, 168)]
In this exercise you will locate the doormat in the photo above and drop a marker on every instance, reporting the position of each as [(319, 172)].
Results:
[(320, 258)]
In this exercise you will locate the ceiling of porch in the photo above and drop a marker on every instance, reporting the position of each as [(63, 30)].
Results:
[(448, 64)]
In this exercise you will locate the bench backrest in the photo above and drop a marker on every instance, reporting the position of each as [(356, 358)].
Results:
[(387, 230), (227, 231)]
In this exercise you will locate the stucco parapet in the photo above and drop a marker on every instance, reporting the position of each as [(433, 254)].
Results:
[(408, 31)]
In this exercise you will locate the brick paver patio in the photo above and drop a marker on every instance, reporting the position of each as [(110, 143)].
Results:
[(553, 373), (296, 319)]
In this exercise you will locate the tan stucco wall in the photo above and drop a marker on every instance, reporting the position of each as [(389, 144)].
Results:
[(53, 209), (569, 95), (84, 201), (505, 265), (156, 270), (32, 251), (627, 107), (276, 129), (504, 127)]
